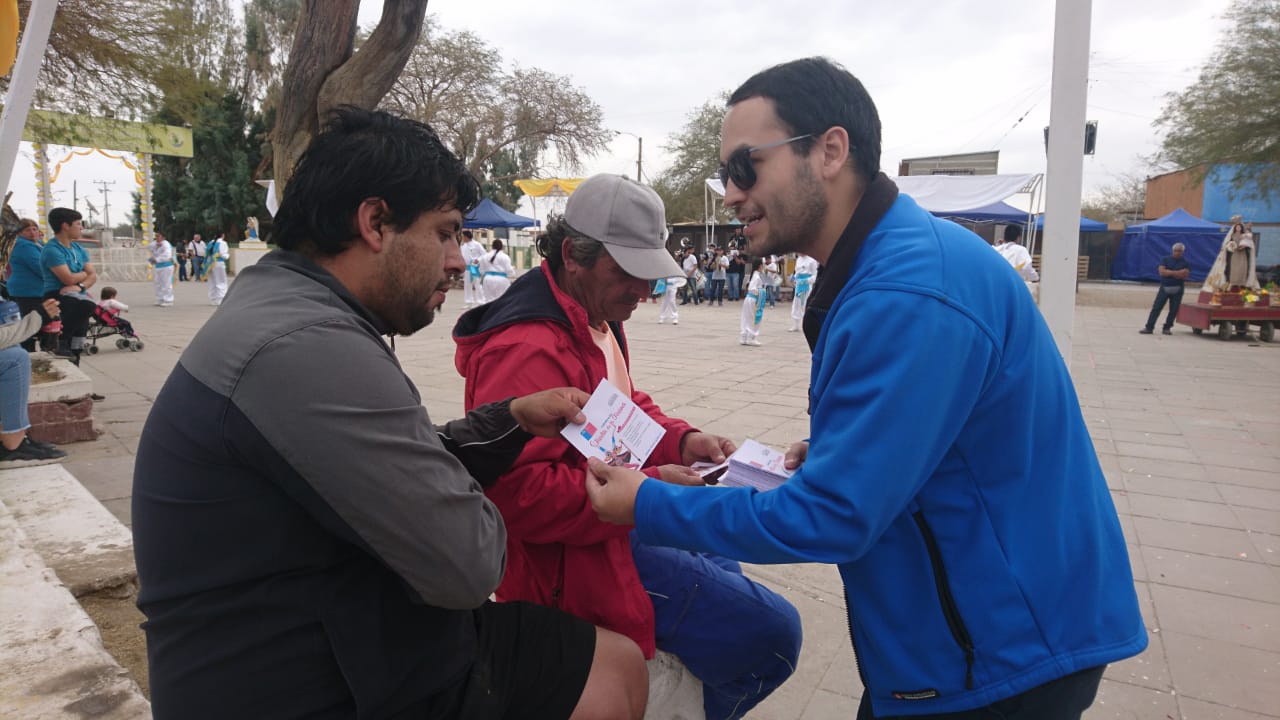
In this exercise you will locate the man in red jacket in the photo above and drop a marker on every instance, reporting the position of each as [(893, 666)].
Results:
[(562, 325)]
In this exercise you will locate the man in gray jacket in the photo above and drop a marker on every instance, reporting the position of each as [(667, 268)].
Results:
[(308, 543)]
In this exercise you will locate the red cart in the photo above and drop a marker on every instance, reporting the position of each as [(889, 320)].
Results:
[(1230, 315)]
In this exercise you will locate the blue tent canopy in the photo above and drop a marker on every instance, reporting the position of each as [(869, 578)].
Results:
[(489, 214), (1144, 245), (1086, 225), (999, 212)]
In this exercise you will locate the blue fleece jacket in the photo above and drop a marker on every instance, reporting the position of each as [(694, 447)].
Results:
[(949, 475)]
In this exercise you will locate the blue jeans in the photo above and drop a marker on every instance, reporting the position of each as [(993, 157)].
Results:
[(15, 386), (735, 285), (1171, 295), (197, 267), (717, 291), (736, 636)]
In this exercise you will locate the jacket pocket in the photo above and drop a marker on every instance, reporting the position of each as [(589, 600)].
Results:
[(955, 623)]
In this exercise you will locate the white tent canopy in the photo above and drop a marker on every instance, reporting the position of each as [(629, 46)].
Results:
[(949, 193)]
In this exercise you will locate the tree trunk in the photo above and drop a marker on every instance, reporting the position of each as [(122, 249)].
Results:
[(322, 72), (322, 42)]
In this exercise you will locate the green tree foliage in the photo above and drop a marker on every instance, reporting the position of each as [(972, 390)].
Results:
[(101, 56), (1231, 114), (213, 192), (503, 124), (268, 34), (696, 157)]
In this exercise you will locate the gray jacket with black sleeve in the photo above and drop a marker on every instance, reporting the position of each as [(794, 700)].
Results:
[(308, 543)]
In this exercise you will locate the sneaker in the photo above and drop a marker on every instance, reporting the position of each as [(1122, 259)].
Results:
[(675, 322), (28, 453), (41, 445), (1166, 331), (752, 342), (1146, 331)]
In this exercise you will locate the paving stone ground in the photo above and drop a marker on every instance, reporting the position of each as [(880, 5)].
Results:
[(1187, 429)]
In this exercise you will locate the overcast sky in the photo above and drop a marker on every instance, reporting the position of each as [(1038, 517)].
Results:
[(947, 76)]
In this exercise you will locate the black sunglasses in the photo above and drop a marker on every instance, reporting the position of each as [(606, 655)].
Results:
[(739, 168)]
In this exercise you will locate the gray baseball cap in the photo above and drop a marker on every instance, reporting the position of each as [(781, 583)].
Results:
[(628, 219)]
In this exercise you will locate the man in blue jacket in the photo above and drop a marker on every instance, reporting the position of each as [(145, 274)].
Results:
[(948, 471)]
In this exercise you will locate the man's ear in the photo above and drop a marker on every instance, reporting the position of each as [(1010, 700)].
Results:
[(371, 215), (834, 148), (566, 246)]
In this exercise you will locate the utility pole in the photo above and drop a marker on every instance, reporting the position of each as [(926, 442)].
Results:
[(639, 153), (106, 201), (75, 196)]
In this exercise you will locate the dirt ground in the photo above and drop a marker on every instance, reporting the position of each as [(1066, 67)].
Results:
[(118, 620)]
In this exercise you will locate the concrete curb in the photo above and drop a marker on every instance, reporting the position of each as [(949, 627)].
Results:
[(76, 536), (52, 662)]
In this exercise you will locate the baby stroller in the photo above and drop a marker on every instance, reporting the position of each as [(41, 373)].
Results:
[(105, 323)]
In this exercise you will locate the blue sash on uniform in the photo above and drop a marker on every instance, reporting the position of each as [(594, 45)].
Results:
[(802, 283), (660, 287), (474, 271), (759, 305), (164, 264), (495, 272)]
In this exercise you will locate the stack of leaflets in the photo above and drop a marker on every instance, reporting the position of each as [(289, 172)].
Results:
[(753, 466)]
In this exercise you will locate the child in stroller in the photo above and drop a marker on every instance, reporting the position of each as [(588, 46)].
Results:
[(107, 321)]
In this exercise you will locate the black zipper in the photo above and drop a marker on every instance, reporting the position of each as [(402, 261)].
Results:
[(848, 614), (949, 610)]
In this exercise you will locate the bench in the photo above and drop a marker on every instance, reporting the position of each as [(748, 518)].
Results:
[(1082, 267)]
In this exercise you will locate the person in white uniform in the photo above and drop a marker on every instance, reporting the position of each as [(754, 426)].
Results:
[(162, 272), (1011, 250), (669, 288), (216, 255), (802, 278), (472, 282), (753, 305), (496, 269)]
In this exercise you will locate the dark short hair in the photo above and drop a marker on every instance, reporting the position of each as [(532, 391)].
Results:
[(107, 293), (467, 234), (1012, 233), (363, 154), (813, 95), (584, 250), (60, 216)]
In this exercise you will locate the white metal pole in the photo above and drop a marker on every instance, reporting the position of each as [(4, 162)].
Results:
[(22, 85), (1058, 257)]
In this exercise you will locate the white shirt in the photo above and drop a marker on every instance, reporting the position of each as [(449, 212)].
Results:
[(496, 262), (162, 252), (472, 251), (1019, 258), (199, 247), (806, 265), (690, 264), (115, 305)]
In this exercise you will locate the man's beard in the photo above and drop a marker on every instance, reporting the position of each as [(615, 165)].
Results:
[(796, 220)]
